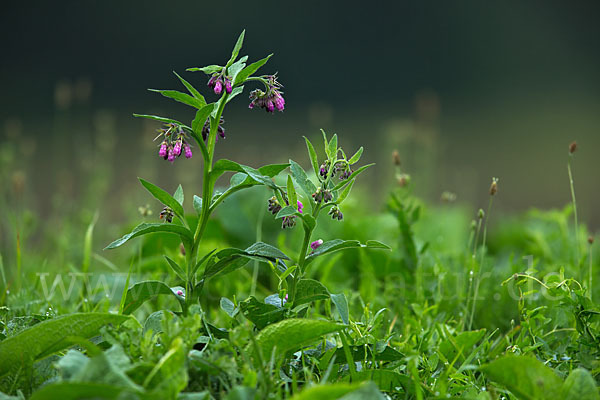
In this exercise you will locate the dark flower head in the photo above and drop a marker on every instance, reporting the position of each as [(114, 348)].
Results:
[(218, 87), (271, 99), (167, 214), (206, 129), (336, 213), (228, 85), (288, 222), (274, 206)]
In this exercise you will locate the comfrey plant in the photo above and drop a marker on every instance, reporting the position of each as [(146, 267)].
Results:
[(334, 180)]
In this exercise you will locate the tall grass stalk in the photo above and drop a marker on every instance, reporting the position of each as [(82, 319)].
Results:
[(574, 206)]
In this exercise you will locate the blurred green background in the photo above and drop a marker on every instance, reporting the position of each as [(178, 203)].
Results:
[(464, 90)]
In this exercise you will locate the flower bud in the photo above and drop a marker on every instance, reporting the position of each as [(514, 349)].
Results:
[(572, 147), (270, 106), (177, 148), (180, 292), (336, 213), (163, 150), (300, 206), (279, 102), (171, 155), (288, 222), (228, 87), (218, 89), (274, 206), (494, 187), (591, 240), (480, 214), (315, 245), (188, 151)]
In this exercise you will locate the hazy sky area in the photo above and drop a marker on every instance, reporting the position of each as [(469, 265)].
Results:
[(479, 88)]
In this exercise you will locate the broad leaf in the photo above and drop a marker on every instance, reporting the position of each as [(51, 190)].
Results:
[(341, 303), (526, 377), (326, 392), (82, 390), (302, 180), (51, 336), (338, 244), (579, 385), (287, 211), (164, 197), (198, 204), (178, 195), (141, 292), (261, 314), (228, 306), (385, 379), (292, 334), (145, 228), (309, 290), (266, 250)]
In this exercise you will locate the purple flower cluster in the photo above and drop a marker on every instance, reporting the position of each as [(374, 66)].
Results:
[(218, 81), (274, 207), (206, 129), (175, 140), (344, 169), (271, 99)]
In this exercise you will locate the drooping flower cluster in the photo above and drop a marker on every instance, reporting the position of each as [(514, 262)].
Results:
[(174, 140), (336, 213), (271, 99), (218, 80), (167, 214), (220, 129), (342, 167), (274, 207), (322, 195)]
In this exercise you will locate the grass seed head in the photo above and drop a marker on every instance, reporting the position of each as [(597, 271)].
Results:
[(572, 147)]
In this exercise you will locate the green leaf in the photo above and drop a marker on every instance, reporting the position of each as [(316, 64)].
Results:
[(338, 244), (202, 260), (234, 93), (341, 303), (157, 118), (141, 292), (83, 390), (287, 211), (178, 195), (292, 334), (312, 154), (309, 290), (241, 393), (356, 157), (326, 392), (385, 380), (308, 220), (291, 192), (579, 385), (342, 196), (50, 336), (164, 197), (169, 376), (228, 306), (208, 70), (198, 204), (236, 67), (261, 314), (200, 119), (352, 176), (145, 228), (176, 268), (249, 70), (332, 148), (526, 377), (325, 144), (236, 48), (183, 98), (193, 91), (225, 264), (463, 343), (302, 180), (368, 352), (266, 250)]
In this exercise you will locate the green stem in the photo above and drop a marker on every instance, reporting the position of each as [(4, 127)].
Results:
[(574, 210), (480, 268), (590, 272), (207, 192)]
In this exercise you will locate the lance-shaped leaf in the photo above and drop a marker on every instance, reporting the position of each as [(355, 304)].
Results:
[(224, 165), (183, 98), (312, 154), (341, 303), (161, 119), (338, 244), (178, 195), (176, 268), (354, 159), (231, 259), (208, 70), (198, 204), (164, 197), (145, 228), (193, 91), (301, 179), (249, 70), (237, 48), (141, 292)]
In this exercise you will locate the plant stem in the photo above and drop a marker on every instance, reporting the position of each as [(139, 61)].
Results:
[(590, 272), (574, 210), (480, 267), (207, 192)]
